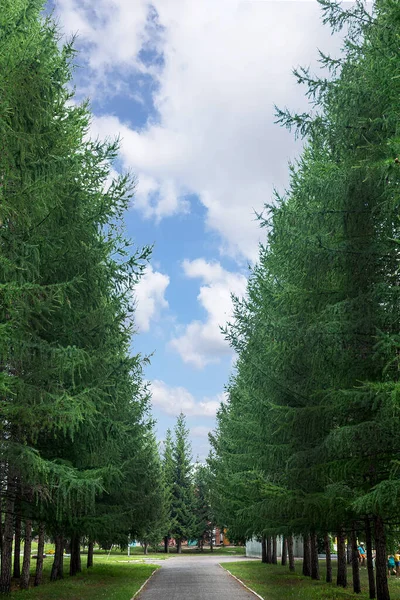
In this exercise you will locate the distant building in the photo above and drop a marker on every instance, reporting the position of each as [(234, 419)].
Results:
[(220, 537)]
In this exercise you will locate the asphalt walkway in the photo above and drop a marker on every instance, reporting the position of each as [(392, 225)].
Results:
[(194, 578)]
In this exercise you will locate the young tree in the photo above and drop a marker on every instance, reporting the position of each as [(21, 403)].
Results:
[(183, 490), (168, 478), (204, 517)]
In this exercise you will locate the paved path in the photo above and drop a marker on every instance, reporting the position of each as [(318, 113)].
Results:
[(194, 578)]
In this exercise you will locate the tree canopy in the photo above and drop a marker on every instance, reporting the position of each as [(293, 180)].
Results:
[(75, 416), (309, 441)]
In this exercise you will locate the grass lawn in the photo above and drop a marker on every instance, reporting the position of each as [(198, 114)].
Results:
[(109, 579), (137, 552), (274, 582), (226, 550), (136, 555)]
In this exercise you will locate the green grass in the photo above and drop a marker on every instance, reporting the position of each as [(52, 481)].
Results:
[(227, 550), (110, 579), (274, 582), (122, 556), (137, 552)]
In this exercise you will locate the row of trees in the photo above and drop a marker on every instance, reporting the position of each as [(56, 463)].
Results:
[(309, 441), (78, 459)]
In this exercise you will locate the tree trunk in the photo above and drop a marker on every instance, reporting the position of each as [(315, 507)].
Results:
[(355, 565), (382, 589), (179, 546), (17, 544), (274, 553), (284, 551), (39, 560), (1, 513), (341, 578), (263, 549), (57, 570), (306, 555), (211, 543), (89, 563), (348, 551), (314, 556), (145, 548), (166, 544), (327, 545), (6, 555), (26, 562), (269, 549), (290, 552), (370, 562), (75, 563), (78, 554)]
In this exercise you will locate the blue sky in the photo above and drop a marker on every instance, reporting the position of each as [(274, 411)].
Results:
[(190, 88)]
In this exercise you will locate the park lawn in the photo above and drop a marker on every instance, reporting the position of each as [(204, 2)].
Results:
[(98, 555), (137, 552), (227, 550), (274, 582), (118, 556), (107, 580)]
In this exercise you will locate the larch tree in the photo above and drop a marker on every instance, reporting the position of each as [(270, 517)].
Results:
[(317, 335), (71, 391)]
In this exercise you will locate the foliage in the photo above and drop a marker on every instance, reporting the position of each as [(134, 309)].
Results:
[(309, 440), (74, 420)]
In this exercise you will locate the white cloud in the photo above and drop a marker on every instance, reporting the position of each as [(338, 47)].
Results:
[(150, 297), (199, 431), (158, 194), (202, 342), (115, 31), (224, 66), (173, 400)]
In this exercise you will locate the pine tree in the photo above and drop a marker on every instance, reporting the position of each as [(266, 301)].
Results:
[(168, 478), (204, 517), (183, 491)]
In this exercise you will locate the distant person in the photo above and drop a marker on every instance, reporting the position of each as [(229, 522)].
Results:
[(361, 555), (397, 562), (391, 564)]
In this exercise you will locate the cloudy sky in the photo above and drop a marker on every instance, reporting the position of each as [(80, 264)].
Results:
[(190, 87)]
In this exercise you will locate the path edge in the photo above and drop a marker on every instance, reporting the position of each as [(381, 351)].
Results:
[(136, 594), (241, 582)]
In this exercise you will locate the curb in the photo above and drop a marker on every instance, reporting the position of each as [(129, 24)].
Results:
[(241, 583), (144, 585)]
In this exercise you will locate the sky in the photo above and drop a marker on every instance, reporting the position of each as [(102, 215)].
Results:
[(189, 87)]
